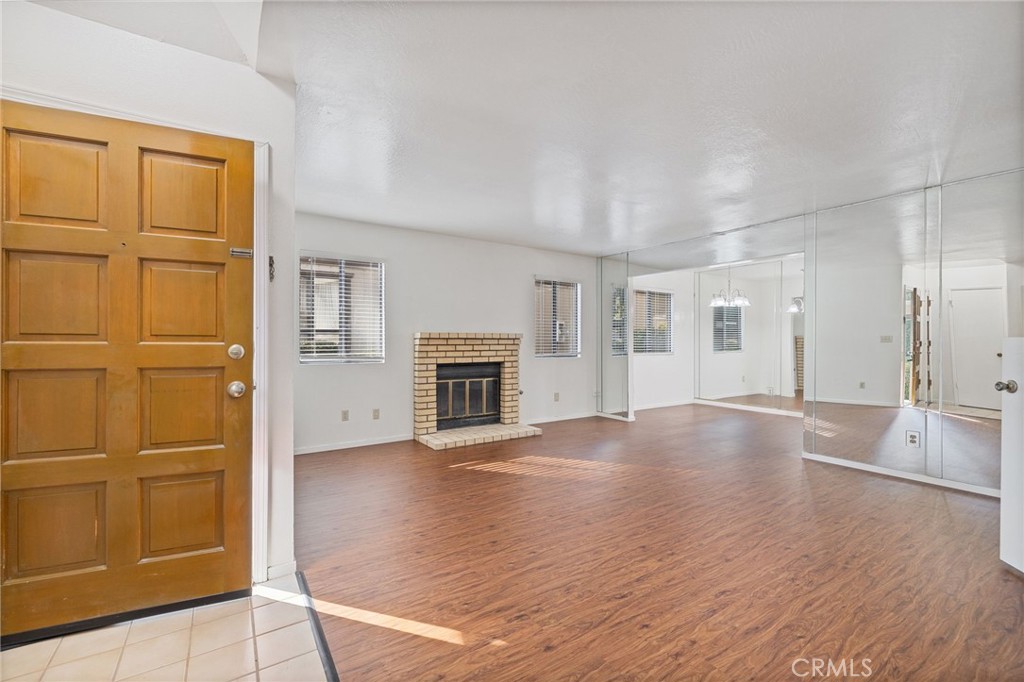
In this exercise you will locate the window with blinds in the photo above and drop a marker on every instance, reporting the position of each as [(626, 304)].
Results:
[(619, 330), (556, 318), (341, 310), (727, 329), (652, 322)]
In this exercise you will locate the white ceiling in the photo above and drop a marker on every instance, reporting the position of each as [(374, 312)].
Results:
[(601, 127)]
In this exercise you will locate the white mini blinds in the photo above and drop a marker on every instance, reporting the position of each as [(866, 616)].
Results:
[(556, 318), (652, 322), (727, 329), (341, 310)]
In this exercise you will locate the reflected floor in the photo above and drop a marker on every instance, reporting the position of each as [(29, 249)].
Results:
[(793, 403), (969, 446)]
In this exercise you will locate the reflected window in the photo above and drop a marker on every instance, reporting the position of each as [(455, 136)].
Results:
[(727, 329), (619, 321), (652, 322)]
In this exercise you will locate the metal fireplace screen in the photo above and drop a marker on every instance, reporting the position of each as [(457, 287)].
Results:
[(468, 394)]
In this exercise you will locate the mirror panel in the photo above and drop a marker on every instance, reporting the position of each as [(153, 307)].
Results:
[(862, 256)]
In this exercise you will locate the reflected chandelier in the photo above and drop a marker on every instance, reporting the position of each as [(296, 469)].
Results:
[(728, 297)]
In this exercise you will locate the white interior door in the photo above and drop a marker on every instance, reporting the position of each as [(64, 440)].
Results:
[(978, 327), (1011, 522)]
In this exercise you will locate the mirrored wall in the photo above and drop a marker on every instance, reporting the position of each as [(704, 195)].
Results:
[(750, 333), (909, 300), (905, 303)]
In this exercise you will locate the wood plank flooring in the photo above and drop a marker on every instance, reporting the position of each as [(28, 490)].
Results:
[(693, 544)]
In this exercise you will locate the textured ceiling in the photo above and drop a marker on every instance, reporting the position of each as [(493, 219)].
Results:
[(598, 128), (603, 127)]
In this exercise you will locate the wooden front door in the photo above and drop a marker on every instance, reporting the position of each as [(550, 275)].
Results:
[(125, 468)]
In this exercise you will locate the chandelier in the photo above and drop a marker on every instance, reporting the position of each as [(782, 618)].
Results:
[(729, 297)]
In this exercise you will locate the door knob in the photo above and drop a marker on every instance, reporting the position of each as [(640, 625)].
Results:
[(1008, 386), (236, 389)]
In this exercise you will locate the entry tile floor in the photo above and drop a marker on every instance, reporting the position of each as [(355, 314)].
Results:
[(267, 637)]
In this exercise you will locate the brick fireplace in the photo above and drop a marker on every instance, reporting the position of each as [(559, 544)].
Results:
[(465, 348)]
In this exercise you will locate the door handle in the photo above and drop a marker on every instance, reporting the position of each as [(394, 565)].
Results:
[(236, 389), (1008, 386)]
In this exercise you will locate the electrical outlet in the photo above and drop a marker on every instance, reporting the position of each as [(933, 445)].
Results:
[(556, 397), (863, 384), (376, 413), (913, 439), (344, 415), (886, 339)]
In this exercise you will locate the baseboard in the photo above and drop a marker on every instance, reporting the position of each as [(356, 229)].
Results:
[(906, 475), (658, 406), (869, 403), (328, 447), (281, 570), (749, 408), (548, 420)]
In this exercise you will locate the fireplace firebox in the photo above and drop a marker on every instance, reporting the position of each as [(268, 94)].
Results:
[(468, 394)]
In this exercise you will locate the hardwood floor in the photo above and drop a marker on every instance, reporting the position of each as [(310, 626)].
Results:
[(693, 544)]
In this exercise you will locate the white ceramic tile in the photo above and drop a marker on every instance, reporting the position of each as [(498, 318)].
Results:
[(226, 663), (29, 658), (251, 677), (277, 615), (154, 626), (175, 672), (204, 614), (96, 668), (153, 653), (288, 642), (221, 632), (307, 667), (82, 644), (257, 600), (31, 677), (288, 583)]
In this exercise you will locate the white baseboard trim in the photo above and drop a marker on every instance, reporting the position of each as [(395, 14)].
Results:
[(658, 406), (748, 408), (327, 447), (548, 420), (867, 403), (895, 473), (615, 417), (281, 570)]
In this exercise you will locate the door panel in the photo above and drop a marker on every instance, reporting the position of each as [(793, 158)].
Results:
[(978, 327), (125, 464)]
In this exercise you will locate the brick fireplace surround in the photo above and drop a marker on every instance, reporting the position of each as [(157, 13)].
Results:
[(433, 348)]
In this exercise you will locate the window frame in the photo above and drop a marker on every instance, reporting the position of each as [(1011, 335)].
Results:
[(620, 326), (741, 329), (552, 318), (306, 260), (647, 320)]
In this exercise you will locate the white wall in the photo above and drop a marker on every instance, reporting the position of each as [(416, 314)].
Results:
[(439, 283), (666, 379), (856, 304), (53, 58)]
